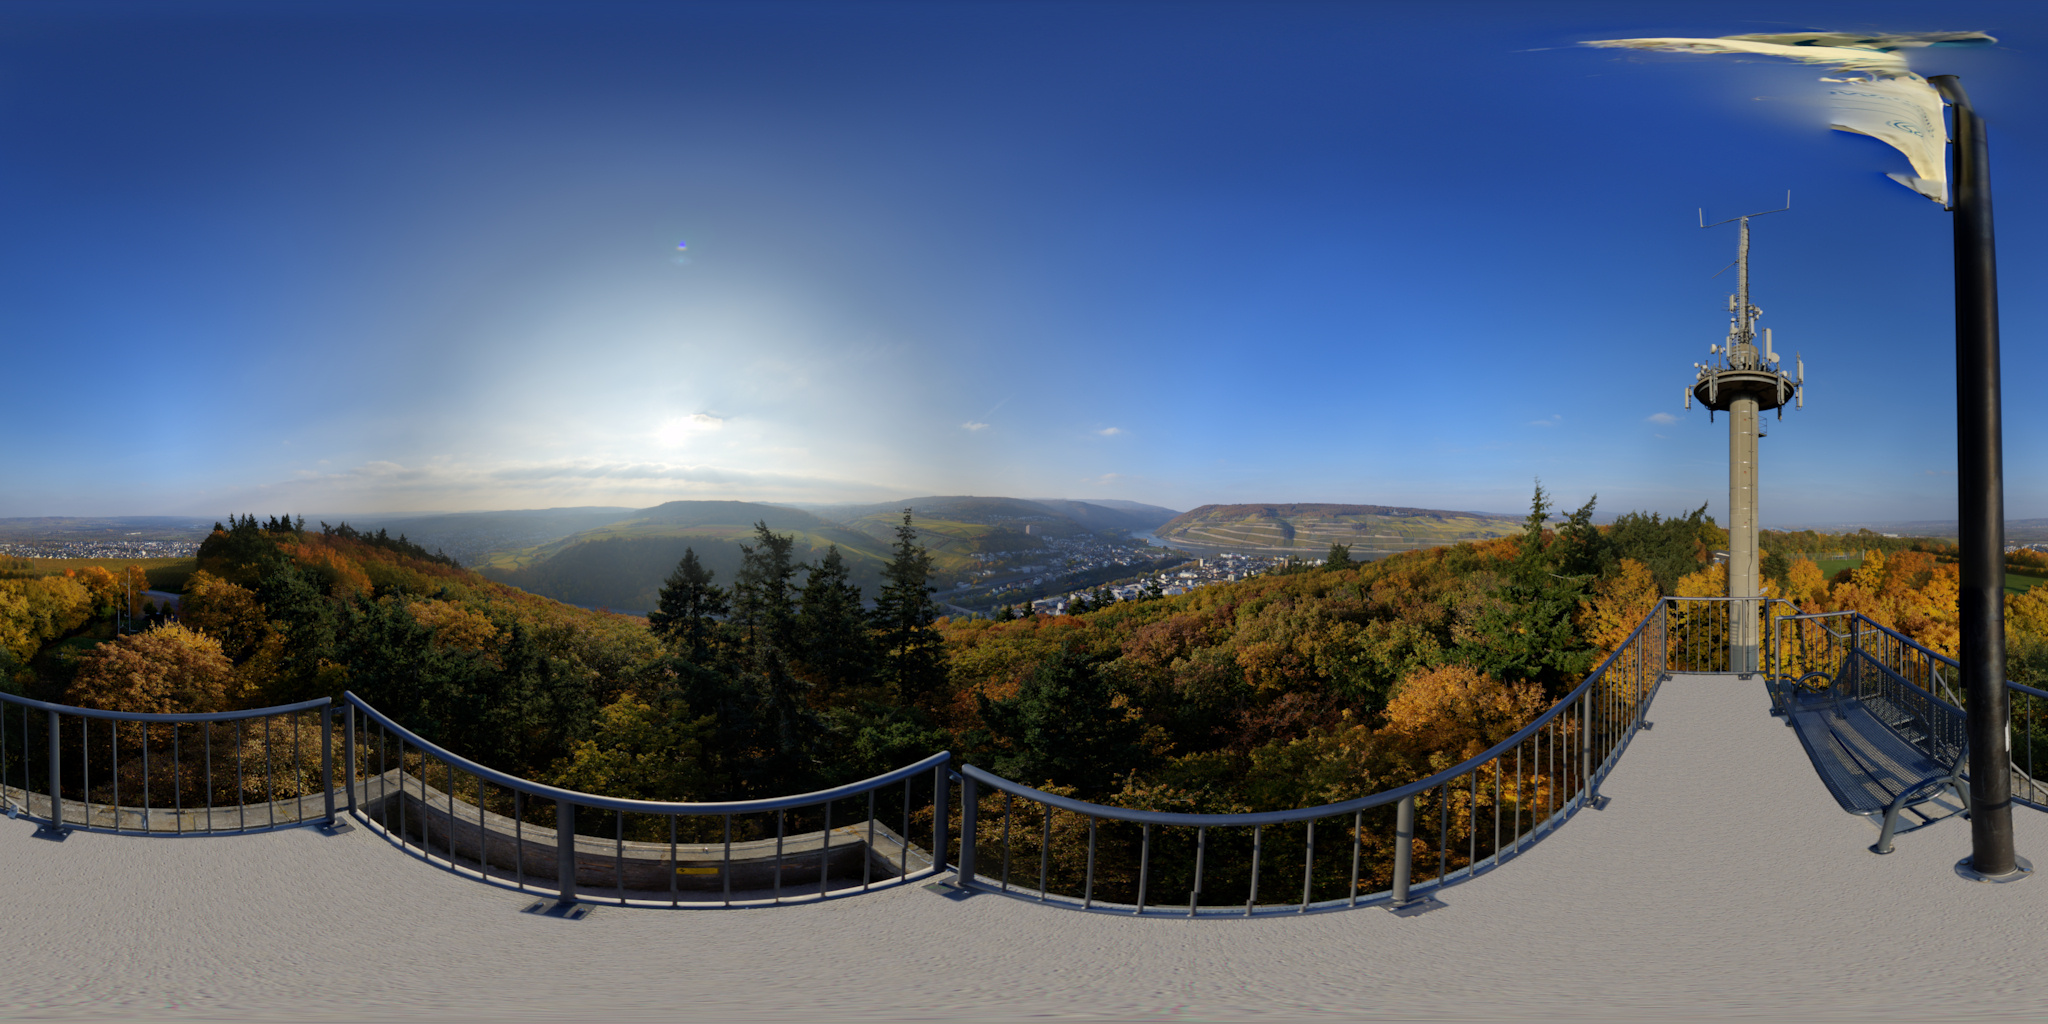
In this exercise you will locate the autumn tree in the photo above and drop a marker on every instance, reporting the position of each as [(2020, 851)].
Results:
[(653, 751), (1617, 605), (229, 613), (1804, 582), (1460, 711), (167, 670)]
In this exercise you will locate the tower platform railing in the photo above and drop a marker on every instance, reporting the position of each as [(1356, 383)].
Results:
[(1393, 849), (583, 847), (165, 774)]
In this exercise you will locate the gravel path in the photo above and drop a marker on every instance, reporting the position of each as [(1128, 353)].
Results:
[(1721, 882)]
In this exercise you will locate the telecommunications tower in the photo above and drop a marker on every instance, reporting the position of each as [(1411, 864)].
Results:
[(1743, 380)]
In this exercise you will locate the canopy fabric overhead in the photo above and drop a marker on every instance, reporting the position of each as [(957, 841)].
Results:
[(1889, 103)]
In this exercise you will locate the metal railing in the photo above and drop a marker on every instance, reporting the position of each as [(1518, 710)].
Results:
[(576, 846), (1850, 654), (166, 774), (1701, 629), (1393, 848)]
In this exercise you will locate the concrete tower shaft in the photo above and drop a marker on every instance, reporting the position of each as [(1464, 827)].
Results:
[(1743, 380)]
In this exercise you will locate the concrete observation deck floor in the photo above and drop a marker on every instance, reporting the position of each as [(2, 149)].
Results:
[(1722, 881)]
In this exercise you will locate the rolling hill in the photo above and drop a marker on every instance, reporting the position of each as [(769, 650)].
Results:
[(1308, 530), (471, 537), (621, 564)]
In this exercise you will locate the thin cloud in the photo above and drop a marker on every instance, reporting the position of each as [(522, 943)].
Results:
[(1110, 431), (1660, 417), (447, 485), (974, 426)]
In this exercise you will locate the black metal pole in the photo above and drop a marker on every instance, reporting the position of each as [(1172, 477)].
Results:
[(1980, 494)]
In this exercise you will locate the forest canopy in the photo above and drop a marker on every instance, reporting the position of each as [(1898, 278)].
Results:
[(1297, 687)]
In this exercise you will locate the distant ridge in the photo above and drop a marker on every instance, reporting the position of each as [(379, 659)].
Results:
[(1309, 528), (621, 563)]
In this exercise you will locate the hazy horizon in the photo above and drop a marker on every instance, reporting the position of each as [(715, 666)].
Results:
[(440, 257)]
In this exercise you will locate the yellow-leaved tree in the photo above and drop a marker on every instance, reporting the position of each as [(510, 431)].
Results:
[(229, 613), (1618, 605), (168, 670), (1805, 584), (1457, 712)]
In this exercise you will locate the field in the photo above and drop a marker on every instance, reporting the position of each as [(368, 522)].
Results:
[(1830, 566)]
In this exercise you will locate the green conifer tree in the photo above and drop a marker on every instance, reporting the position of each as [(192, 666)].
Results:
[(764, 590), (832, 634), (687, 612), (913, 655)]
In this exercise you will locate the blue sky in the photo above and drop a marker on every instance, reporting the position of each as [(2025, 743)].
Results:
[(392, 257)]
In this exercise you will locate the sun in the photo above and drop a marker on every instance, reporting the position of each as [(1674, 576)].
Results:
[(681, 429)]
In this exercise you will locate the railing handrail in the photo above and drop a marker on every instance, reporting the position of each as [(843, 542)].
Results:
[(141, 716), (1325, 810), (609, 803), (1929, 651)]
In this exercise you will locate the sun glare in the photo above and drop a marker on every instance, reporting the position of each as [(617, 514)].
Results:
[(680, 430)]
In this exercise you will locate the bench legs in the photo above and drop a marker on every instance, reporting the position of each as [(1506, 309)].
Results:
[(1913, 796)]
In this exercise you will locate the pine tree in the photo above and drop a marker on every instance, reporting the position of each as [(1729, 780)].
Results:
[(686, 615), (1339, 557), (832, 635), (764, 591), (913, 655), (1526, 632)]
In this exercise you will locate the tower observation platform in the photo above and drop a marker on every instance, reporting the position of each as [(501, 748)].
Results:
[(1699, 869)]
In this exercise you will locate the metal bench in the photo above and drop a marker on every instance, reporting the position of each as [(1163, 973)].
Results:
[(1882, 745)]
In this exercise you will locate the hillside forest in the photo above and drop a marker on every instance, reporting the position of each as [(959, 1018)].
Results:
[(1294, 688)]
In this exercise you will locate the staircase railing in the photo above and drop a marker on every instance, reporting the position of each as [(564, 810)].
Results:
[(1823, 648)]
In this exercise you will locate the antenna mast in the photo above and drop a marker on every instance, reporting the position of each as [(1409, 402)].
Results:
[(1743, 381)]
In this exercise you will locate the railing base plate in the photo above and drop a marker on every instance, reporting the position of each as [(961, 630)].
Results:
[(949, 890), (1419, 905), (53, 833), (558, 908), (336, 828)]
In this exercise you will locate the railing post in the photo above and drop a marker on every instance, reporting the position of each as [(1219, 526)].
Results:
[(55, 828), (969, 813), (565, 851), (939, 786), (1586, 742), (348, 750), (1849, 666), (1404, 849), (326, 761)]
